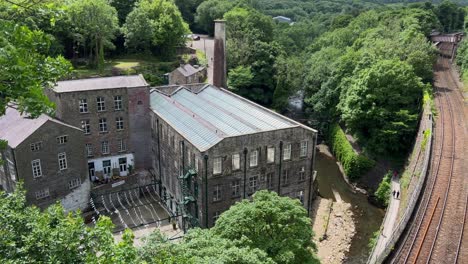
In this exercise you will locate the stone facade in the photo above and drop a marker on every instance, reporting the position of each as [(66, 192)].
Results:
[(57, 182), (180, 76), (121, 147), (214, 192)]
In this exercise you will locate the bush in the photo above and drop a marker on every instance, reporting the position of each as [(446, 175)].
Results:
[(354, 165), (384, 190)]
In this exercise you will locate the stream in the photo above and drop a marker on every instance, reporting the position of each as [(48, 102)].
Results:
[(367, 218)]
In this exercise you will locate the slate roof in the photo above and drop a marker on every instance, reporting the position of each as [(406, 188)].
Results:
[(130, 81), (15, 128), (188, 70), (207, 116)]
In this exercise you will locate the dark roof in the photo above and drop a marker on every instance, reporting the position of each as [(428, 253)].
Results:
[(131, 81), (16, 127), (188, 70)]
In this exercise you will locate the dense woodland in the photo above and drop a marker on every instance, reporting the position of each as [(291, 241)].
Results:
[(362, 64)]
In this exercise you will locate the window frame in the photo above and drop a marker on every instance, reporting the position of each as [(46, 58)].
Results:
[(304, 149), (42, 194), (217, 193), (83, 106), (235, 188), (100, 104), (253, 153), (36, 168), (253, 183), (118, 102), (217, 162), (285, 177), (269, 154), (121, 145), (86, 126), (301, 174), (105, 146), (36, 146), (74, 183), (61, 140), (62, 161), (119, 123), (89, 149), (103, 125), (237, 155), (287, 150)]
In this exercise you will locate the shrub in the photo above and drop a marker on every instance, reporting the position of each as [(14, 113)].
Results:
[(384, 190), (354, 165)]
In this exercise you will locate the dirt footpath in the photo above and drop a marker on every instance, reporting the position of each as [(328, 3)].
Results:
[(334, 229)]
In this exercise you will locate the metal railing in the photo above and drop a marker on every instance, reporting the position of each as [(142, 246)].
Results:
[(398, 230)]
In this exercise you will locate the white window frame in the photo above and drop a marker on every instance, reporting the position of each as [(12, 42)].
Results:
[(101, 104), (62, 161), (74, 183), (302, 174), (41, 194), (86, 126), (271, 155), (118, 104), (235, 188), (287, 152), (103, 125), (36, 146), (253, 160), (285, 177), (119, 123), (105, 147), (217, 165), (89, 150), (62, 139), (304, 148), (253, 183), (83, 105), (122, 145), (196, 164), (189, 158), (236, 162), (36, 168), (217, 189)]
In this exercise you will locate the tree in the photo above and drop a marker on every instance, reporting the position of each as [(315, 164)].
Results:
[(123, 7), (27, 69), (209, 11), (188, 9), (240, 78), (384, 190), (381, 103), (155, 26), (96, 25), (276, 225), (450, 15), (53, 236)]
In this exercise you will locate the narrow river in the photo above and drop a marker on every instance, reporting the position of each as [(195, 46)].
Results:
[(367, 217)]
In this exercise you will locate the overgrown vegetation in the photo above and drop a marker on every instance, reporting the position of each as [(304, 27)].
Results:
[(373, 239), (53, 236), (385, 189), (354, 164)]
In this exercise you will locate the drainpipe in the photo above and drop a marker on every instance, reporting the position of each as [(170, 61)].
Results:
[(183, 156), (159, 158), (245, 170), (206, 191), (280, 170), (312, 166)]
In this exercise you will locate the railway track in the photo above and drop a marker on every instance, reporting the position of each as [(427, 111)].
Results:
[(441, 215)]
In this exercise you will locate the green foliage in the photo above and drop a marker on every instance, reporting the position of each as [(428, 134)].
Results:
[(381, 105), (354, 165), (373, 240), (188, 9), (155, 26), (53, 236), (210, 10), (276, 225), (123, 7), (240, 78), (385, 189), (26, 68), (450, 16), (95, 26), (426, 137)]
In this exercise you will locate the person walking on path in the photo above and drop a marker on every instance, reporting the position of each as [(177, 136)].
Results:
[(393, 193), (397, 194)]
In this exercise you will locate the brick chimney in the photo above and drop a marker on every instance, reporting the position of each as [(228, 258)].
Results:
[(219, 58)]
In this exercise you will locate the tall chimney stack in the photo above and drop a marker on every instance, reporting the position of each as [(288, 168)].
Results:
[(219, 58)]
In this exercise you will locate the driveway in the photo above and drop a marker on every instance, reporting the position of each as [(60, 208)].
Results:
[(206, 45)]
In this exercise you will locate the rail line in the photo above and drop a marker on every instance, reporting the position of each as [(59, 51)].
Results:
[(435, 191)]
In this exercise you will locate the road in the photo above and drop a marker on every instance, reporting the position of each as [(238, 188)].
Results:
[(438, 232), (206, 45)]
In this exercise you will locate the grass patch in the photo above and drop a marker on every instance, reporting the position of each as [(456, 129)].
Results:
[(201, 56)]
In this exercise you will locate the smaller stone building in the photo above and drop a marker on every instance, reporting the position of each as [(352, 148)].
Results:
[(48, 156), (187, 74), (213, 148), (114, 115)]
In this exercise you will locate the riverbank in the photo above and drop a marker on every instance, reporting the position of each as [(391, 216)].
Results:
[(334, 229), (365, 217)]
